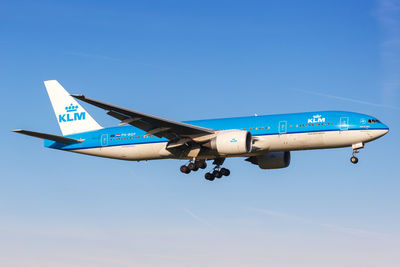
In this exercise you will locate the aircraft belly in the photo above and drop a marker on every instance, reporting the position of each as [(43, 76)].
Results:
[(314, 140), (142, 151), (298, 141), (344, 138), (126, 152)]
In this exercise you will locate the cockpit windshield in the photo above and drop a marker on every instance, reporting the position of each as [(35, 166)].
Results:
[(373, 121)]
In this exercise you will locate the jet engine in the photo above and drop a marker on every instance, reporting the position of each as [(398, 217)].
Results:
[(231, 142), (271, 160)]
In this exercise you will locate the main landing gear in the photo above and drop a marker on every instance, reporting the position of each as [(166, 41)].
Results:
[(356, 148), (217, 172), (193, 166)]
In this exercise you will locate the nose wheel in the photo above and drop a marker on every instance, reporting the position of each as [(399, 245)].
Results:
[(354, 160)]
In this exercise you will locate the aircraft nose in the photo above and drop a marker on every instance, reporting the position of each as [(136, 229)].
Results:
[(384, 130), (377, 133)]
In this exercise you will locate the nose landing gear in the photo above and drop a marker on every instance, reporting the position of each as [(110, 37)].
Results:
[(356, 148)]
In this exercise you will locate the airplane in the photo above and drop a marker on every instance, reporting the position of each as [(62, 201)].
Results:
[(265, 141)]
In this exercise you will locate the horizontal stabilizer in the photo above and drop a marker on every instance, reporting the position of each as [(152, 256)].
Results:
[(52, 137)]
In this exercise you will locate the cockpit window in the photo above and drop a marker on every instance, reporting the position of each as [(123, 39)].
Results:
[(373, 121)]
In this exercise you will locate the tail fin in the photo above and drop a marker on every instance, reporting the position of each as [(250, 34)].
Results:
[(72, 117)]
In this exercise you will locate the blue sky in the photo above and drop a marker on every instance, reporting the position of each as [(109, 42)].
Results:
[(193, 60)]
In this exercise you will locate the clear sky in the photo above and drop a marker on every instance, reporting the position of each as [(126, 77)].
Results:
[(194, 60)]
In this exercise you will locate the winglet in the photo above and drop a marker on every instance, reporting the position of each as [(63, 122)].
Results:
[(80, 97)]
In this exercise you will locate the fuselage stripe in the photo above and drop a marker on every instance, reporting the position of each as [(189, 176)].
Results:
[(270, 134)]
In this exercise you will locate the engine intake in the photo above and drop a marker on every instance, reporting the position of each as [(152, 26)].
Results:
[(231, 142), (271, 160)]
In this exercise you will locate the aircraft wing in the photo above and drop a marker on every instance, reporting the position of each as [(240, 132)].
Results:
[(153, 125)]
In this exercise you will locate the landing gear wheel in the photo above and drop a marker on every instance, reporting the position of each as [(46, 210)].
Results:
[(225, 172), (185, 169), (209, 176), (191, 166), (202, 165), (354, 160), (217, 174)]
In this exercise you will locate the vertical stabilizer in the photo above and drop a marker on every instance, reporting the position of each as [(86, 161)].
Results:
[(72, 117)]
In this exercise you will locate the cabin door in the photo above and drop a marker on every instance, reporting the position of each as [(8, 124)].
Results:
[(282, 127), (344, 123), (104, 140)]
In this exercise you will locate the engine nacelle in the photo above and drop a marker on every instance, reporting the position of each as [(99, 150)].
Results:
[(271, 160), (232, 142)]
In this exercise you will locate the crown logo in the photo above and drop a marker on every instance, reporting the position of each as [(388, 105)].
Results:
[(71, 108), (317, 116)]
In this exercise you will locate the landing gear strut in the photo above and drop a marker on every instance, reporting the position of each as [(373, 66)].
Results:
[(356, 148), (217, 172)]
